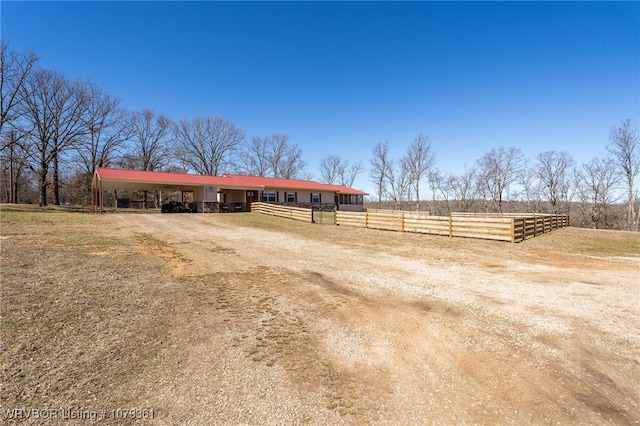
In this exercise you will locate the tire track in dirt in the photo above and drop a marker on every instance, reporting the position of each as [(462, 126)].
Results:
[(397, 352), (271, 329)]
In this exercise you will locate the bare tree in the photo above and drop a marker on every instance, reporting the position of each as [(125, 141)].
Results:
[(254, 161), (276, 152), (334, 170), (14, 162), (350, 173), (331, 168), (284, 159), (554, 171), (207, 143), (498, 169), (420, 158), (273, 156), (531, 188), (108, 128), (464, 189), (595, 186), (380, 168), (446, 190), (15, 68), (624, 145), (151, 144), (53, 108), (292, 165), (436, 179), (151, 138), (399, 182)]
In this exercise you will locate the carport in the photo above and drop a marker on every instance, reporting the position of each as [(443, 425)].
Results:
[(229, 192), (205, 189)]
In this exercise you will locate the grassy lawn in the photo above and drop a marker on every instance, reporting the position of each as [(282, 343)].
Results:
[(78, 327), (566, 242)]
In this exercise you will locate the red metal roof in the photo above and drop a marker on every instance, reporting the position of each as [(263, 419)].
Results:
[(110, 178)]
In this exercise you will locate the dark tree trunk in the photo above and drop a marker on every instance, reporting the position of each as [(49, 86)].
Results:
[(14, 192), (56, 185), (13, 172), (43, 184)]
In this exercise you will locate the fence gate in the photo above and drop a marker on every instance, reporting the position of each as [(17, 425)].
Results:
[(323, 215)]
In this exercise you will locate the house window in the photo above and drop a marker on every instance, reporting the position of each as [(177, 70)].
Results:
[(315, 198), (291, 197), (269, 196), (350, 199)]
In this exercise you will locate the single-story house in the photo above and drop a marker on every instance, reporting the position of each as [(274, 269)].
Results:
[(229, 192)]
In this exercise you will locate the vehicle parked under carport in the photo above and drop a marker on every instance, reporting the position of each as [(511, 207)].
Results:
[(178, 207)]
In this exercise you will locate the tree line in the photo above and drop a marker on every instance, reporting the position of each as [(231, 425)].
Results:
[(503, 179), (55, 131)]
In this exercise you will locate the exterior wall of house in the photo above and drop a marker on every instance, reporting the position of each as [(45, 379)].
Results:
[(301, 197), (351, 207), (205, 193), (233, 196)]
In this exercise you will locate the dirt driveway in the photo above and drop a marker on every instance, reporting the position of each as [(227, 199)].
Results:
[(301, 323)]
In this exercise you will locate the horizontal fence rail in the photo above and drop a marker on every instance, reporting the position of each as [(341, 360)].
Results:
[(512, 227), (531, 226), (289, 212)]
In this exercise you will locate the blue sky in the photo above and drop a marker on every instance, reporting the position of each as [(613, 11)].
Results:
[(339, 77)]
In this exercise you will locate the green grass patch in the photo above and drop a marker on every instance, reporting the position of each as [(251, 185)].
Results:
[(610, 243)]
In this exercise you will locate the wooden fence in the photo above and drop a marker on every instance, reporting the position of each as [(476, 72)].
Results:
[(531, 226), (512, 227), (289, 212)]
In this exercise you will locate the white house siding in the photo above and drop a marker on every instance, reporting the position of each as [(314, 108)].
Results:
[(205, 193)]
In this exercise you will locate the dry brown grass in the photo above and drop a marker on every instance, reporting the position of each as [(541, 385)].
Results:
[(76, 316), (98, 317)]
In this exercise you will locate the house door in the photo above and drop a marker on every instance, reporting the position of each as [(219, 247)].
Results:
[(252, 197)]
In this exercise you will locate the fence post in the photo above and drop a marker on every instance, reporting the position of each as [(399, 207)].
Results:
[(366, 219), (513, 229), (535, 225), (402, 225), (450, 226)]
